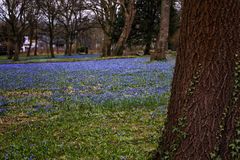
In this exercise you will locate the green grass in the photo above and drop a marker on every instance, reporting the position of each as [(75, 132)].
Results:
[(127, 128), (113, 130), (46, 59)]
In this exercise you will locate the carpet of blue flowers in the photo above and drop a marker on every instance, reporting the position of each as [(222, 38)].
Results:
[(105, 109)]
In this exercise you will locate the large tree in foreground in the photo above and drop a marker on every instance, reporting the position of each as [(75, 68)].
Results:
[(204, 111)]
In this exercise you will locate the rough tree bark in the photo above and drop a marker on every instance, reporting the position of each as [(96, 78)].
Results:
[(204, 107), (161, 46), (129, 15)]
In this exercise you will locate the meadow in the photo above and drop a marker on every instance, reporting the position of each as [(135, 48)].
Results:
[(96, 109)]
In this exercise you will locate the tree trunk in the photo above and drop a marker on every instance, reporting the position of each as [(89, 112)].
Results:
[(204, 108), (51, 50), (51, 45), (10, 48), (67, 48), (147, 48), (77, 44), (70, 48), (30, 45), (17, 51), (71, 44), (161, 47), (36, 40), (57, 46), (36, 46), (107, 44), (129, 14)]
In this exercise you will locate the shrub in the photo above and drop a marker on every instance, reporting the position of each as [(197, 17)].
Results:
[(82, 49)]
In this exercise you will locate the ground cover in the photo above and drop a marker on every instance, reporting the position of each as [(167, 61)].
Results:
[(108, 109)]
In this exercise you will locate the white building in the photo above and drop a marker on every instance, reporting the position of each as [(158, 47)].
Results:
[(26, 44)]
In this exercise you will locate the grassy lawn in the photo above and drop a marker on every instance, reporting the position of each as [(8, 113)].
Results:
[(110, 109), (58, 58), (73, 131), (46, 58)]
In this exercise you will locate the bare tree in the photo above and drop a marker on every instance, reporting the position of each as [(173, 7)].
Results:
[(33, 25), (129, 10), (106, 13), (15, 13), (70, 16), (49, 12)]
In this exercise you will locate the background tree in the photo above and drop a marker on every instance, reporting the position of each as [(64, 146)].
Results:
[(33, 18), (146, 24), (49, 12), (204, 109), (15, 13), (161, 46), (70, 14), (129, 10), (106, 13), (36, 34), (175, 14)]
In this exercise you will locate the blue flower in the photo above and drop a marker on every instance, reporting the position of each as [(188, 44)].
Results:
[(59, 99), (97, 81), (3, 111)]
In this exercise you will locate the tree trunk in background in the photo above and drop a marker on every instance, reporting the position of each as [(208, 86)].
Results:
[(17, 50), (129, 15), (10, 48), (36, 46), (51, 44), (67, 49), (70, 49), (148, 46), (204, 110), (31, 39), (71, 44), (36, 41), (161, 47), (107, 44), (150, 34), (77, 43), (51, 49)]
